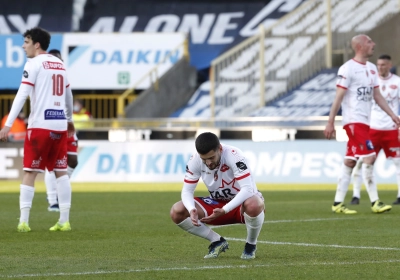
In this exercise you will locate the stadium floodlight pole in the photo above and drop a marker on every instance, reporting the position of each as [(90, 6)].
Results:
[(262, 65), (328, 35)]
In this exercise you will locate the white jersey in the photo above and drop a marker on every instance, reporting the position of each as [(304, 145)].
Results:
[(390, 90), (359, 80), (49, 93), (232, 176)]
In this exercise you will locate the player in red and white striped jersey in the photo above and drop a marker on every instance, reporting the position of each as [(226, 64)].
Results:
[(384, 132), (357, 85), (233, 198), (45, 81)]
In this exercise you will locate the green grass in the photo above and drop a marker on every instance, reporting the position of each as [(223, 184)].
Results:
[(129, 235)]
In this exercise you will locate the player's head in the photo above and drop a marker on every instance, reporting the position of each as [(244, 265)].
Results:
[(209, 149), (363, 45), (384, 64), (36, 40), (56, 53)]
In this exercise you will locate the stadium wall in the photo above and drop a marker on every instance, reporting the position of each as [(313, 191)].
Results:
[(387, 39)]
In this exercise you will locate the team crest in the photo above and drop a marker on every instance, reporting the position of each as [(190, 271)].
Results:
[(372, 72), (393, 86)]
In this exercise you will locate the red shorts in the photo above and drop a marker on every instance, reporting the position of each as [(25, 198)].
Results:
[(388, 140), (360, 144), (72, 145), (45, 149), (208, 205)]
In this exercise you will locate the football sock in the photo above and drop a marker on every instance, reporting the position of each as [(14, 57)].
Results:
[(69, 171), (25, 202), (253, 225), (64, 198), (369, 181), (343, 183), (396, 162), (201, 231), (51, 187)]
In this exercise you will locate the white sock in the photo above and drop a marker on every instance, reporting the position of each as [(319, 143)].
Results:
[(343, 183), (201, 231), (25, 202), (253, 225), (69, 171), (396, 162), (369, 181), (357, 179), (64, 197), (51, 187)]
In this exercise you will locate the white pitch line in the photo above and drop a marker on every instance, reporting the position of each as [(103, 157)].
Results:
[(317, 245), (155, 269), (288, 221)]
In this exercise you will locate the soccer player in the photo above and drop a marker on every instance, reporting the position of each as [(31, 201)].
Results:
[(356, 86), (384, 133), (234, 197), (72, 161), (44, 80)]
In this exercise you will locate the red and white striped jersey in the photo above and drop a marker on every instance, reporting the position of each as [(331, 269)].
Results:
[(48, 77), (359, 80), (390, 90), (225, 181)]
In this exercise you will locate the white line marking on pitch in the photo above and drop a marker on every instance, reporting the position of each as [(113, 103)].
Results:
[(194, 268), (317, 245), (289, 221)]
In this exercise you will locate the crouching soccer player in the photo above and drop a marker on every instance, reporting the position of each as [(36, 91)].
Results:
[(234, 197)]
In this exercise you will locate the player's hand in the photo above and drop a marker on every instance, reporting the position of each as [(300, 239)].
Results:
[(71, 129), (396, 120), (194, 217), (4, 132), (218, 212), (329, 131)]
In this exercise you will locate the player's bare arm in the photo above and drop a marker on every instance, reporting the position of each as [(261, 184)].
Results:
[(71, 129), (330, 127), (380, 100)]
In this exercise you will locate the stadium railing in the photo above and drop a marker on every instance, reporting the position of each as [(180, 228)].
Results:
[(152, 75)]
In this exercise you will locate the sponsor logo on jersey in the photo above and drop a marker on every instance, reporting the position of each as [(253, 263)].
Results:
[(224, 168), (51, 114), (369, 145), (364, 94), (241, 165), (55, 136), (188, 171), (26, 75), (53, 65)]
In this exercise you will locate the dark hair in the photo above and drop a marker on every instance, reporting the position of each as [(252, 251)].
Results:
[(385, 56), (55, 52), (207, 142), (38, 35)]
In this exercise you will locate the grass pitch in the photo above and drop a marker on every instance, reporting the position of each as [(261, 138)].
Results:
[(127, 234)]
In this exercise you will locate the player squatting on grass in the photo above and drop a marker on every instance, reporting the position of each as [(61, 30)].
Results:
[(234, 197)]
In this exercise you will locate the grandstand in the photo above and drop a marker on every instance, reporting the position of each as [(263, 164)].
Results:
[(293, 50)]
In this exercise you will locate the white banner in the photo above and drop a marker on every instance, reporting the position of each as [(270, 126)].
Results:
[(116, 60), (315, 161)]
